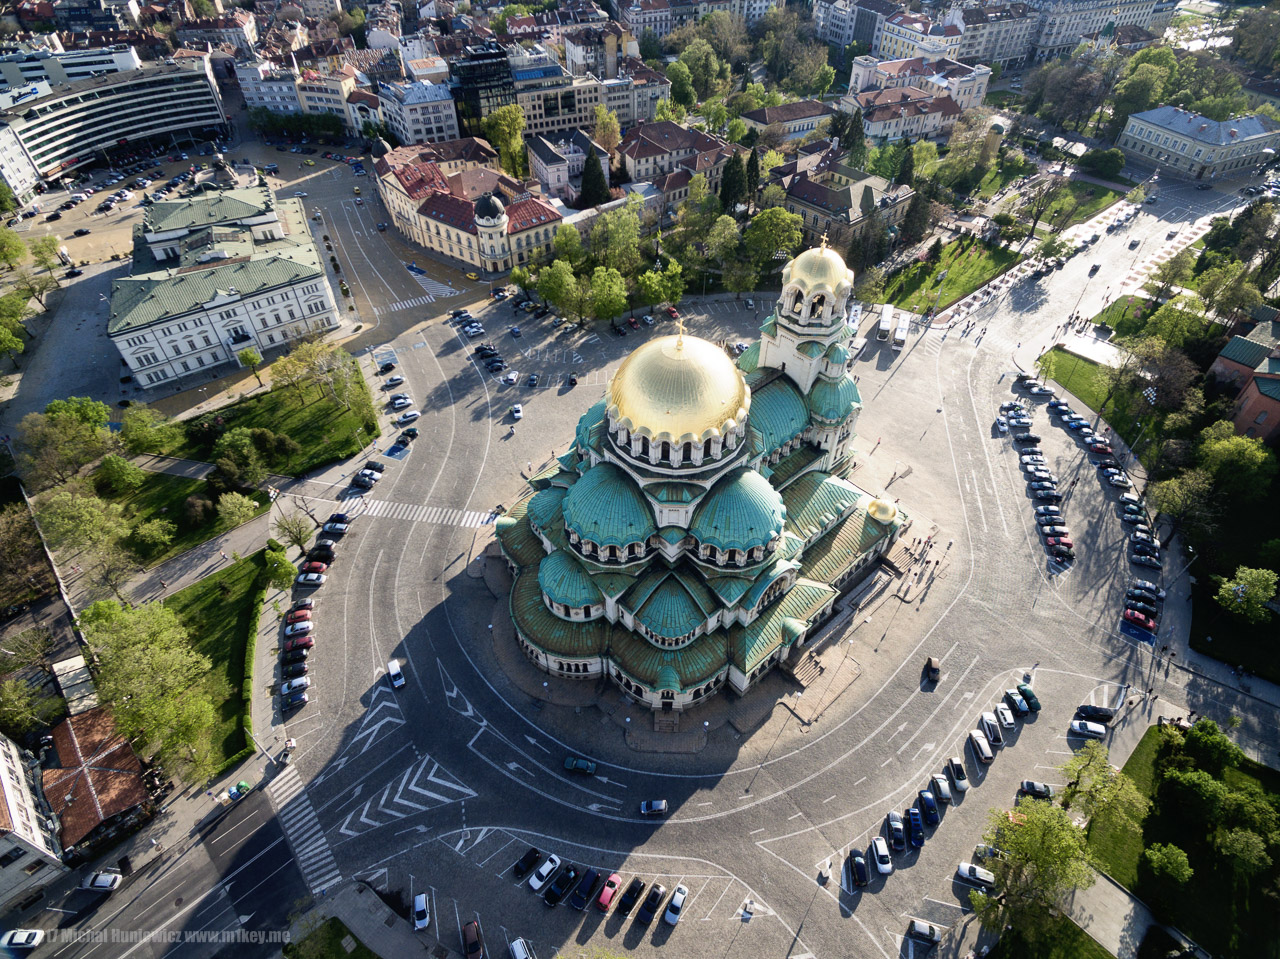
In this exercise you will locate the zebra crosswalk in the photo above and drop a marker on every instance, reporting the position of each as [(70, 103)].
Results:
[(434, 289), (437, 289), (419, 513), (301, 827), (403, 305)]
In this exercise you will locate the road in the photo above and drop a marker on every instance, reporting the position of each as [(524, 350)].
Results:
[(441, 785)]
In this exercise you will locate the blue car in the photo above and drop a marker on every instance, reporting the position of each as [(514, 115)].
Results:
[(293, 700), (915, 827), (929, 806)]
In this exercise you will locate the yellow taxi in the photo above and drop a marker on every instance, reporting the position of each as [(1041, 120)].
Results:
[(473, 276), (357, 190)]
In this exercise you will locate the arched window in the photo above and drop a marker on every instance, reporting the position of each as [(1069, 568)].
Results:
[(687, 455), (644, 446), (665, 455), (797, 302), (706, 449), (815, 306)]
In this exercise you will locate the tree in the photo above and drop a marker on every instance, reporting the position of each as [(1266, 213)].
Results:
[(498, 21), (615, 238), (80, 409), (24, 709), (1241, 466), (1106, 164), (235, 509), (733, 185), (772, 196), (12, 250), (1167, 872), (771, 238), (682, 88), (146, 430), (28, 648), (1211, 749), (8, 202), (295, 528), (75, 520), (1187, 498), (870, 288), (558, 285), (1039, 198), (915, 225), (119, 474), (504, 128), (595, 189), (753, 175), (736, 131), (1226, 289), (703, 65), (1194, 792), (1247, 593), (608, 132), (1246, 850), (935, 251), (252, 359), (44, 251), (907, 169), (34, 286), (523, 278), (567, 246), (12, 345), (608, 293), (280, 572), (1094, 786), (1173, 272), (52, 449), (1045, 856), (723, 239), (155, 534), (153, 682), (238, 458)]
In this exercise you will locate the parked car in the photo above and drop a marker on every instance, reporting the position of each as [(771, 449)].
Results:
[(108, 880), (607, 892), (1039, 790), (880, 854), (1016, 702), (915, 827), (976, 875), (858, 869), (1029, 695), (585, 891), (544, 873), (674, 907), (526, 862), (1087, 729), (630, 896), (561, 885), (928, 807), (473, 940), (652, 903), (959, 778), (1097, 714), (940, 788), (421, 912), (896, 832)]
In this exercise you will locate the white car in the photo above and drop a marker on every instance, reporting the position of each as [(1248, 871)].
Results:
[(1088, 730), (408, 417), (517, 411), (1120, 481), (976, 874), (510, 377), (991, 729), (105, 881), (295, 685), (674, 905), (1005, 715), (421, 912), (22, 939), (401, 403), (299, 192), (311, 579), (880, 853), (544, 873), (1002, 424), (955, 766), (299, 629), (335, 527)]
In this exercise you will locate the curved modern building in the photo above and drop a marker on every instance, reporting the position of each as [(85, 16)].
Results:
[(701, 528), (58, 129)]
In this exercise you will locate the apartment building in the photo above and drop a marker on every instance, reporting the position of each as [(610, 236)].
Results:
[(598, 50), (30, 855), (1193, 146), (418, 112), (266, 85), (842, 22), (236, 28), (649, 151), (903, 113), (552, 98), (966, 85), (647, 16), (19, 69), (997, 34), (916, 35)]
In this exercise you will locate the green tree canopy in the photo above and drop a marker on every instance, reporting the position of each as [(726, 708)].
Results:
[(595, 188), (1247, 593), (504, 128), (772, 238), (608, 293), (1241, 466), (147, 430)]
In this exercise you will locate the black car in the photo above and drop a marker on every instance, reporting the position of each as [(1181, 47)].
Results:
[(294, 670), (386, 367), (375, 466), (338, 518), (896, 831), (408, 436), (1145, 549), (1141, 595), (540, 312), (585, 889), (81, 232), (294, 700), (72, 274), (295, 656), (320, 554), (1062, 553), (497, 366), (486, 353), (463, 311), (858, 869), (563, 883), (652, 903), (526, 862), (55, 215), (1026, 438), (630, 896), (1048, 495), (1097, 714)]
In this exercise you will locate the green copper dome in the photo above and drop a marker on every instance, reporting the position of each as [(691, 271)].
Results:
[(563, 580), (834, 400), (606, 508), (590, 419), (667, 678), (544, 506), (740, 512)]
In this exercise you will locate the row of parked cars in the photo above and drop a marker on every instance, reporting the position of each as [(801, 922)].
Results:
[(1041, 483), (555, 880)]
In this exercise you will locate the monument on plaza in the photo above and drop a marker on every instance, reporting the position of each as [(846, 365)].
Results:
[(700, 528)]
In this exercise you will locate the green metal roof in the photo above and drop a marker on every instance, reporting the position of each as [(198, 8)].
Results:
[(544, 506), (613, 584), (605, 507), (778, 411), (673, 534), (827, 558), (815, 498), (564, 580), (749, 361), (793, 464), (546, 630), (1246, 352), (751, 645), (670, 610), (1268, 387), (674, 492), (591, 425), (770, 326), (811, 348), (693, 664), (210, 209), (729, 589), (778, 568), (740, 512), (837, 354), (520, 544), (833, 400)]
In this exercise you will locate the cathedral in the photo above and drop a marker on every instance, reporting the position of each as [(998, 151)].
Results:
[(700, 528)]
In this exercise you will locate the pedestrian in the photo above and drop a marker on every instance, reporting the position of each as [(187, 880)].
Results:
[(223, 552), (163, 584)]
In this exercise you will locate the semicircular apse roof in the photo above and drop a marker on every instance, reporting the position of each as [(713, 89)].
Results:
[(607, 508), (741, 511)]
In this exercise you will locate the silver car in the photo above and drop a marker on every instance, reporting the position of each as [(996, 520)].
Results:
[(991, 728)]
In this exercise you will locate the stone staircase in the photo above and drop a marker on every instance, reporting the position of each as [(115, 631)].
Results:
[(807, 669), (666, 722)]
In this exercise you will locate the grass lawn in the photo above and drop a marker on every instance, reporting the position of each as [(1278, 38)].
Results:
[(324, 429), (1091, 197), (326, 943), (1002, 99), (1116, 840), (1057, 939), (915, 288), (1127, 316), (162, 496), (218, 611), (1077, 375)]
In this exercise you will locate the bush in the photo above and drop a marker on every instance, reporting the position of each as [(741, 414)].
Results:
[(274, 545), (1102, 163), (198, 509)]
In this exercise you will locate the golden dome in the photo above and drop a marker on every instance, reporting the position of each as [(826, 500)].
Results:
[(882, 511), (818, 266), (678, 388)]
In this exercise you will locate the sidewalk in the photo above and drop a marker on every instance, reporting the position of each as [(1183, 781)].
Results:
[(374, 923)]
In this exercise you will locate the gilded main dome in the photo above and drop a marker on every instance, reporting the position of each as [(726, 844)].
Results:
[(678, 388), (819, 266)]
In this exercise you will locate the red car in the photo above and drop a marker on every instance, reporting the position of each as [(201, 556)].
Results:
[(1060, 541), (298, 616), (673, 313), (609, 890), (1139, 619), (314, 567), (633, 323), (299, 642), (1101, 448)]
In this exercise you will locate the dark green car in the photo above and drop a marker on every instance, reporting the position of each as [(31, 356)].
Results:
[(576, 764), (1029, 695)]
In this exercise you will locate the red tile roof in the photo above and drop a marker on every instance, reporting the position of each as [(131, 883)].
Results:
[(98, 775), (449, 210), (529, 213)]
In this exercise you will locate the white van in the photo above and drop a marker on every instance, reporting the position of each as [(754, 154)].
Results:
[(521, 950), (981, 748), (79, 197), (394, 674)]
